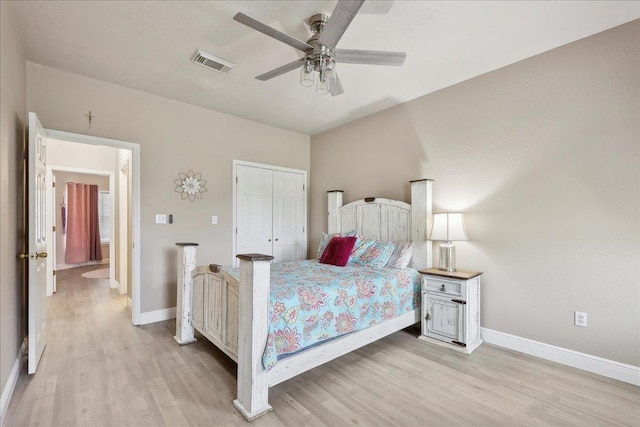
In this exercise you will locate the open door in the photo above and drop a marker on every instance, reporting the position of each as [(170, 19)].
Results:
[(37, 256)]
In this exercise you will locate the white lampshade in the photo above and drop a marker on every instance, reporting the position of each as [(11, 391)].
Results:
[(448, 227)]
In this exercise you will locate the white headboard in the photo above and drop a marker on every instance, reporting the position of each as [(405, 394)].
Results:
[(388, 220)]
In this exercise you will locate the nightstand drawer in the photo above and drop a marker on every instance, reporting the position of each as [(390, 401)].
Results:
[(443, 286)]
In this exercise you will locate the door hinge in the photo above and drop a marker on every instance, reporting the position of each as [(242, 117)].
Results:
[(54, 228), (236, 179), (53, 184), (54, 272), (303, 229), (459, 301), (236, 230), (302, 187), (458, 343)]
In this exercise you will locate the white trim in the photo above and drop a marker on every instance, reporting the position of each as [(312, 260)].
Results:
[(10, 386), (123, 244), (64, 266), (84, 171), (597, 365), (135, 206), (157, 315)]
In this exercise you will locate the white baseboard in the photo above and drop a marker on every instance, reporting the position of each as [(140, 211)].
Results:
[(597, 365), (157, 315), (7, 391), (64, 266)]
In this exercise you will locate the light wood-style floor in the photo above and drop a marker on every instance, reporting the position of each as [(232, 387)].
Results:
[(99, 370)]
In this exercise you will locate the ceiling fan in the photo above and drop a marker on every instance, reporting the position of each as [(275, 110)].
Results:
[(320, 53)]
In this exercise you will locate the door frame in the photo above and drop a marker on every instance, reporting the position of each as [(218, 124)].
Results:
[(135, 205), (124, 242), (234, 182)]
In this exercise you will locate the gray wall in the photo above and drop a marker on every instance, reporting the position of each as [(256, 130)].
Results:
[(174, 137), (13, 120), (543, 157)]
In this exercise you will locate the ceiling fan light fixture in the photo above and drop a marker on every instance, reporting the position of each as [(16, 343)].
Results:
[(322, 87), (325, 72), (306, 74)]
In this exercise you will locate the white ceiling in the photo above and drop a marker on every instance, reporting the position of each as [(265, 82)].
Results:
[(147, 45)]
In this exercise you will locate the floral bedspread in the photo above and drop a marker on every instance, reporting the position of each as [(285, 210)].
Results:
[(313, 302)]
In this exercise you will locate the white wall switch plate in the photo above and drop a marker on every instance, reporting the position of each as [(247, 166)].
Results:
[(214, 219), (161, 219)]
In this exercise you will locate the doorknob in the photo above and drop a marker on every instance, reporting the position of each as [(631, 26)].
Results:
[(38, 255), (276, 240), (269, 240)]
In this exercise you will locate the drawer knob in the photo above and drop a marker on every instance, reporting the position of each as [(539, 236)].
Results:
[(442, 288)]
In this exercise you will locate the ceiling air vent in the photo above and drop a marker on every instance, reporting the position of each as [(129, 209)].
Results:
[(210, 61)]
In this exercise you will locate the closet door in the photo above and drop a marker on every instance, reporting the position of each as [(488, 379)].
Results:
[(254, 210), (289, 216)]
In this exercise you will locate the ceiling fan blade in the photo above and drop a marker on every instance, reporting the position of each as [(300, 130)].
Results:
[(372, 57), (336, 87), (339, 20), (281, 70), (271, 32)]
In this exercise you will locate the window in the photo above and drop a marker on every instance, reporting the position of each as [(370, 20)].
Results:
[(104, 215)]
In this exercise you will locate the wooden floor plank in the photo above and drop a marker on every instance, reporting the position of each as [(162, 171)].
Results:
[(99, 370)]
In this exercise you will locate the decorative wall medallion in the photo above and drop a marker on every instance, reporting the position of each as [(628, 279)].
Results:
[(190, 185)]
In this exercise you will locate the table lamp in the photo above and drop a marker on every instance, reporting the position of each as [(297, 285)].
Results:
[(448, 227)]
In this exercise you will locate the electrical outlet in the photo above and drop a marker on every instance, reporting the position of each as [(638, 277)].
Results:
[(580, 319), (161, 218), (214, 219)]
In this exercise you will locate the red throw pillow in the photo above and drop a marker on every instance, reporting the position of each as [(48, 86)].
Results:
[(338, 250)]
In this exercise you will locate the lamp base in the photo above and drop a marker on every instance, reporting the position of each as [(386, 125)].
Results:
[(447, 260)]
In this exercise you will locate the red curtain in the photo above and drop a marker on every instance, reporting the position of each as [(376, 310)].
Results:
[(83, 233)]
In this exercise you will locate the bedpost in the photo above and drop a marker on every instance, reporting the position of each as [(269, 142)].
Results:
[(184, 288), (253, 329), (421, 221), (335, 203)]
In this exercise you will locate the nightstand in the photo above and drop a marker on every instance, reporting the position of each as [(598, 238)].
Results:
[(451, 309)]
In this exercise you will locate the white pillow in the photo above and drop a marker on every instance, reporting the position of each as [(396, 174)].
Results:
[(401, 255)]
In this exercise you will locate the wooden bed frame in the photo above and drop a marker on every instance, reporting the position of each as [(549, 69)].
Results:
[(234, 315)]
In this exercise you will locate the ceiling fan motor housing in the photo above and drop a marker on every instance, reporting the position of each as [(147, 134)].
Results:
[(317, 22), (321, 56)]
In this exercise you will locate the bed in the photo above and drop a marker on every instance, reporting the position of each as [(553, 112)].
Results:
[(250, 312)]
